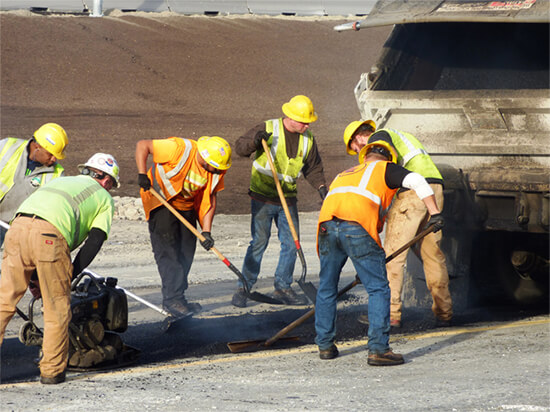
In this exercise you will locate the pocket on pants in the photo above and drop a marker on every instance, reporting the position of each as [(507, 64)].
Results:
[(359, 245), (49, 247)]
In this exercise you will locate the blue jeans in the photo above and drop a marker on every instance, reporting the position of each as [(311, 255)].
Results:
[(2, 235), (339, 240), (263, 214)]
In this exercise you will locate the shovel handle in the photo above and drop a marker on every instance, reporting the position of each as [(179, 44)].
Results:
[(255, 296), (281, 194)]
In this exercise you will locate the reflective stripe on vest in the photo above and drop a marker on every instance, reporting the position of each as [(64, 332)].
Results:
[(74, 203), (361, 190), (166, 176), (9, 159), (412, 150)]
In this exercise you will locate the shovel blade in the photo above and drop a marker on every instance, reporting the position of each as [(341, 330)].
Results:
[(255, 345), (309, 290)]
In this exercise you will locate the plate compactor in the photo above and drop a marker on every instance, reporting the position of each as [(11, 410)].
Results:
[(99, 313)]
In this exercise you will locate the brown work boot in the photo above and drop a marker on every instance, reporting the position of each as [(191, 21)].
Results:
[(53, 380), (289, 297), (239, 298), (329, 353), (385, 359), (441, 323)]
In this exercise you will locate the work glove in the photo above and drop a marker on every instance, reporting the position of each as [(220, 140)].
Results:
[(261, 135), (34, 288), (323, 192), (208, 242), (436, 220), (144, 182)]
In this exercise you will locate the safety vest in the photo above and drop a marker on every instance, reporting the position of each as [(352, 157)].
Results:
[(74, 205), (288, 169), (13, 166), (168, 179), (360, 194), (412, 155)]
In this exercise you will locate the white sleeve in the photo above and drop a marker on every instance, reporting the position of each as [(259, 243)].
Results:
[(417, 183)]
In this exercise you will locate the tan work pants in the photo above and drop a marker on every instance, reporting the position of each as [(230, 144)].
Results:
[(406, 215), (30, 244)]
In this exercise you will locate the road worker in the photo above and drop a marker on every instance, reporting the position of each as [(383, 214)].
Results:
[(294, 152), (406, 216), (189, 174), (48, 226), (351, 218), (25, 165)]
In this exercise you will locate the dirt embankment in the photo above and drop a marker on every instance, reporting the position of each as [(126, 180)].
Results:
[(114, 80)]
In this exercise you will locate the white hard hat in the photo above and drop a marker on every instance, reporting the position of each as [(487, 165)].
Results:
[(105, 163)]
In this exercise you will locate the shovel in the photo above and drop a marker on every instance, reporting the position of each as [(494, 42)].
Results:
[(307, 287), (242, 346), (258, 297)]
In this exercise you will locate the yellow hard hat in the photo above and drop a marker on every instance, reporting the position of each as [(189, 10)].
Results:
[(53, 138), (215, 151), (380, 147), (351, 129), (301, 109)]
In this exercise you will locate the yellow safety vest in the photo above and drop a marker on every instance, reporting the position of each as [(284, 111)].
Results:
[(288, 169)]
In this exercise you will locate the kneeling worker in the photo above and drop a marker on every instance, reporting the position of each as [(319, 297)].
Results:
[(48, 225), (351, 218)]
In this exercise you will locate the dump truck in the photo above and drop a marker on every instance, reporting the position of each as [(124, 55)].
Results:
[(470, 79)]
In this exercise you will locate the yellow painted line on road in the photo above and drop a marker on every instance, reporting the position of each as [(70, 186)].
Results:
[(269, 353)]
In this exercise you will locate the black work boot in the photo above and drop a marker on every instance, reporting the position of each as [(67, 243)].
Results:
[(239, 298), (53, 380), (177, 309), (289, 297), (194, 307), (329, 353)]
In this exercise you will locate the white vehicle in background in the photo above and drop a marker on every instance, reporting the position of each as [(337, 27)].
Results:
[(470, 79)]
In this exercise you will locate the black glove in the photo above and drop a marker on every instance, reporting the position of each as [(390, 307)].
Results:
[(261, 135), (208, 242), (144, 182), (437, 221), (323, 192)]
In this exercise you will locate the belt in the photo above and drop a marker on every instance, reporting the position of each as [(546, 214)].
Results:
[(351, 222), (32, 216)]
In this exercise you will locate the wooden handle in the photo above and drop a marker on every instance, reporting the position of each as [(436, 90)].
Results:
[(281, 194)]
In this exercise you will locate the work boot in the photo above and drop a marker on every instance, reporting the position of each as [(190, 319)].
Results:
[(329, 353), (385, 359), (364, 319), (177, 310), (289, 297), (239, 298), (54, 380), (194, 307)]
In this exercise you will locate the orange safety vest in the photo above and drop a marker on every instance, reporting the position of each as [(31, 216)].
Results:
[(168, 179), (360, 194)]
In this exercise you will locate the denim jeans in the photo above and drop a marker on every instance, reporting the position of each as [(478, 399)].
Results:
[(339, 240), (2, 235), (263, 214)]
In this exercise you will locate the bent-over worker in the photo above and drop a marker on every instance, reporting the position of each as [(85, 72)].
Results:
[(48, 225), (189, 174), (351, 218)]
